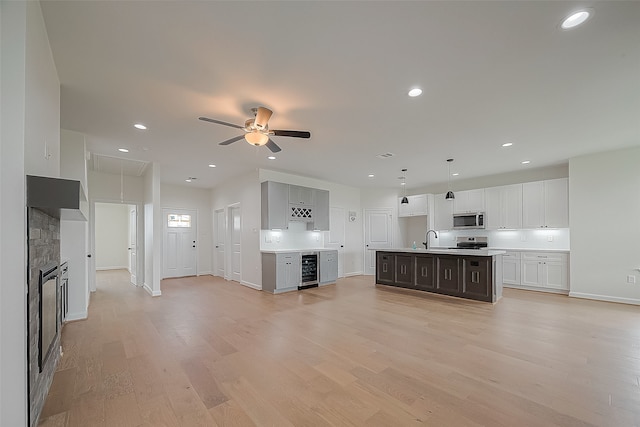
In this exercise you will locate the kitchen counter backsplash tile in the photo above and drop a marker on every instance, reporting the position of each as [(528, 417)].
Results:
[(510, 239), (296, 237)]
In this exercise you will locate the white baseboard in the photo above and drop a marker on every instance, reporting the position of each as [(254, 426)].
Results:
[(80, 315), (605, 298), (205, 273), (150, 291), (124, 267), (356, 273), (251, 285)]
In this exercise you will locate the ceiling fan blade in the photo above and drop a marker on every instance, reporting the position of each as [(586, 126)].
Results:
[(220, 122), (262, 117), (273, 146), (292, 133), (232, 140)]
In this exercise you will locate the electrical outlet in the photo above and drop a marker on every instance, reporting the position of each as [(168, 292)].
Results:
[(267, 238), (550, 238), (631, 279)]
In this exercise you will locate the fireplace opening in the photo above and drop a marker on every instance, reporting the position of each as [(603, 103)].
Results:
[(48, 312)]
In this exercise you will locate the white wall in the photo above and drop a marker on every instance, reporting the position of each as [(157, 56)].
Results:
[(184, 197), (152, 230), (604, 213), (244, 190), (340, 196), (112, 235), (29, 116)]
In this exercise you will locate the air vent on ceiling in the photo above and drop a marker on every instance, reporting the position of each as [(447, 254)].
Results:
[(115, 165), (385, 155)]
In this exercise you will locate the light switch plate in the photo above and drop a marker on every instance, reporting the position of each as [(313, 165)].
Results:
[(631, 279)]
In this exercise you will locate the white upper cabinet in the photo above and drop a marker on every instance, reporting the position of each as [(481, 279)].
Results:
[(417, 206), (320, 211), (275, 204), (442, 212), (469, 201), (301, 196), (503, 207), (545, 204)]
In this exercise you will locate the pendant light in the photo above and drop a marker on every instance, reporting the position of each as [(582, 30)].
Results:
[(450, 195), (404, 184)]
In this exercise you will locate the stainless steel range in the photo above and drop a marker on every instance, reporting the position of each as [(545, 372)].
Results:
[(471, 243)]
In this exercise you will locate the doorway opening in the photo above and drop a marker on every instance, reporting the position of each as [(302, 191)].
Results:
[(115, 239)]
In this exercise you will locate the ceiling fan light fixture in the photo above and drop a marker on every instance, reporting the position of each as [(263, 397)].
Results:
[(262, 118), (256, 138)]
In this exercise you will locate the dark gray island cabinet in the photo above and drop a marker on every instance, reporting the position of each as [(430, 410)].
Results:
[(471, 274)]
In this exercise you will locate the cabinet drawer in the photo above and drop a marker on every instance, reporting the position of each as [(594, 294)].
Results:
[(544, 256)]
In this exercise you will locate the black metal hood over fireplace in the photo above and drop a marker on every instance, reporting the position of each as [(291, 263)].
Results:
[(50, 195)]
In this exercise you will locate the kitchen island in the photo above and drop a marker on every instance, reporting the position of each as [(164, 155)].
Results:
[(466, 273)]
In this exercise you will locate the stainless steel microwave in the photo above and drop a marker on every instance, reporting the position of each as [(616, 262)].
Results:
[(468, 220)]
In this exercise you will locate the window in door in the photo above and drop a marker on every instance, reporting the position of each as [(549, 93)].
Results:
[(179, 220)]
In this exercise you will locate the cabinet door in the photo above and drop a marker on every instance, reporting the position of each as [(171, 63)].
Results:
[(448, 275), (275, 205), (301, 195), (531, 272), (443, 212), (418, 205), (555, 275), (385, 273), (494, 207), (511, 206), (425, 277), (404, 271), (511, 269), (533, 204), (328, 266), (320, 211), (287, 270), (294, 272), (556, 203), (469, 201), (477, 278)]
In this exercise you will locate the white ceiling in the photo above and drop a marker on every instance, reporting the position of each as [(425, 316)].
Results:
[(492, 72)]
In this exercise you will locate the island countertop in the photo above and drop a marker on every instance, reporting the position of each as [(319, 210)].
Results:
[(446, 251)]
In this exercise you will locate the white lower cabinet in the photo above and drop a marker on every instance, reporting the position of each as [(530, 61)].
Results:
[(328, 267), (281, 271), (511, 268), (545, 270)]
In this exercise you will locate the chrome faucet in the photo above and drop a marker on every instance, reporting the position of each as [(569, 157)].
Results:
[(426, 238)]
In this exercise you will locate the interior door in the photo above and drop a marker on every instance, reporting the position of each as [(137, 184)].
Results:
[(179, 243), (133, 264), (377, 235), (219, 242), (236, 243), (336, 235)]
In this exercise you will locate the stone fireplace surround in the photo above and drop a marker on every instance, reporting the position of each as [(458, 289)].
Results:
[(43, 234)]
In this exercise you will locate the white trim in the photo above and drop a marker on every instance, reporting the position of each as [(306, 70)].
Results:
[(81, 315), (537, 289), (205, 273), (150, 291), (112, 268), (605, 298), (357, 273), (251, 285)]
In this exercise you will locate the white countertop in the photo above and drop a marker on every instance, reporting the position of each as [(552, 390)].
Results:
[(472, 252), (283, 251), (532, 250)]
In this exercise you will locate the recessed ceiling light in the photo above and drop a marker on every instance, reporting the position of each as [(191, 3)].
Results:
[(415, 92), (188, 179), (123, 150), (455, 174), (271, 158), (403, 183), (507, 144), (575, 19), (526, 162), (212, 166), (371, 175), (140, 126)]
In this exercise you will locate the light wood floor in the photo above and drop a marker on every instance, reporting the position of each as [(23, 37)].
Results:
[(215, 353)]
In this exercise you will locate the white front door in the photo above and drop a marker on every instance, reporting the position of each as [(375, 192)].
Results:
[(336, 235), (377, 235), (179, 243), (133, 264), (220, 227), (236, 240)]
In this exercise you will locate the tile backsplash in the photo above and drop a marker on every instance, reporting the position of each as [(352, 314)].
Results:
[(295, 237), (556, 238)]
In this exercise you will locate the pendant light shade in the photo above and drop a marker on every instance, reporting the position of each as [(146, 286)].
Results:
[(450, 195), (404, 184)]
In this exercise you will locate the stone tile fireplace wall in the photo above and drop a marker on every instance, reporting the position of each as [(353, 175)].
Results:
[(44, 248)]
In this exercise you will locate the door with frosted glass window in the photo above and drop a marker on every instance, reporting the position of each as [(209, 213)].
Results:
[(179, 243)]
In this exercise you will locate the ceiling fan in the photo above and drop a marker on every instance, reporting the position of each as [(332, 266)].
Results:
[(257, 130)]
